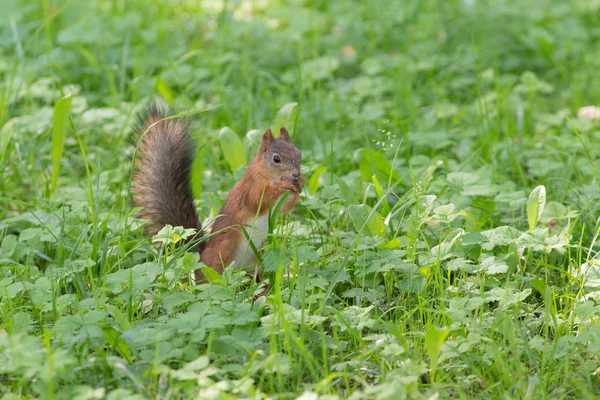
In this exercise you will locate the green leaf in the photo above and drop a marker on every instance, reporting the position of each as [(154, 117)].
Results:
[(172, 300), (9, 245), (22, 321), (363, 215), (493, 266), (434, 339), (172, 235), (460, 264), (286, 117), (60, 125), (191, 370), (319, 68), (393, 244), (119, 317), (445, 213), (233, 148), (6, 134), (212, 276), (275, 259), (306, 253), (539, 285), (138, 277), (164, 90), (30, 234), (118, 394), (556, 211), (373, 162), (380, 193), (115, 340), (254, 136), (535, 205), (313, 182)]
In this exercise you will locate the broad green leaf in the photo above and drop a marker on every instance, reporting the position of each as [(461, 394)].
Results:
[(313, 182), (191, 370), (319, 68), (275, 259), (461, 264), (41, 293), (493, 266), (343, 190), (472, 238), (254, 136), (306, 253), (434, 339), (164, 90), (212, 276), (119, 317), (378, 188), (120, 393), (445, 213), (60, 125), (147, 335), (363, 215), (6, 134), (171, 300), (462, 179), (500, 236), (539, 285), (138, 277), (535, 206), (380, 193), (332, 192), (393, 244), (8, 247), (372, 162), (115, 340), (233, 148), (556, 211), (22, 321), (172, 235), (286, 117)]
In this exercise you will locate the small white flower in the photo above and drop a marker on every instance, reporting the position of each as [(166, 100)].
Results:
[(589, 112)]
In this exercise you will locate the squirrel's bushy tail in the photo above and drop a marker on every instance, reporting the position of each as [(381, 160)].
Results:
[(162, 178)]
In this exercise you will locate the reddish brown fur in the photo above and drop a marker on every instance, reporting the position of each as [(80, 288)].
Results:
[(162, 185), (254, 194)]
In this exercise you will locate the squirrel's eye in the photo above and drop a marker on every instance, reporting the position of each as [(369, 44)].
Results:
[(276, 159)]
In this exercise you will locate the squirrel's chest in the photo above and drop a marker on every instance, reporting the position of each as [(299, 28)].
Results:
[(258, 230)]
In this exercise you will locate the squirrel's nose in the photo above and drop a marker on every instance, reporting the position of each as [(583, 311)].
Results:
[(296, 174)]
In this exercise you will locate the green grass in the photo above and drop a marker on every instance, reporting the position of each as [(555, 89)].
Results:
[(417, 264)]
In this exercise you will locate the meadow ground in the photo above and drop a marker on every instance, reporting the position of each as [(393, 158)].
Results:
[(444, 247)]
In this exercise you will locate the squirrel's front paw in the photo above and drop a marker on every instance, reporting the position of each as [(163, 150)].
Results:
[(293, 184), (299, 183)]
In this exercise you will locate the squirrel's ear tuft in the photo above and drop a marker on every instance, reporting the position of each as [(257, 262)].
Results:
[(267, 141), (284, 134)]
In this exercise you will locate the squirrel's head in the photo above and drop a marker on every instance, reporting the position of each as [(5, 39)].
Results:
[(278, 155)]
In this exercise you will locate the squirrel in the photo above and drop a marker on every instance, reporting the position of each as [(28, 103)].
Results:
[(162, 188)]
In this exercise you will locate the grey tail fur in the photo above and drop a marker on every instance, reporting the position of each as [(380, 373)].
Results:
[(162, 178)]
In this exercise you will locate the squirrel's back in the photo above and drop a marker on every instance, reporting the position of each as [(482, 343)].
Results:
[(162, 179)]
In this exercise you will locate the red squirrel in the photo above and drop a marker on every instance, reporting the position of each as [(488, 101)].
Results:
[(162, 188)]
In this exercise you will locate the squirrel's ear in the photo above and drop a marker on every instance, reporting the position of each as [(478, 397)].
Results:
[(267, 141), (283, 134)]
